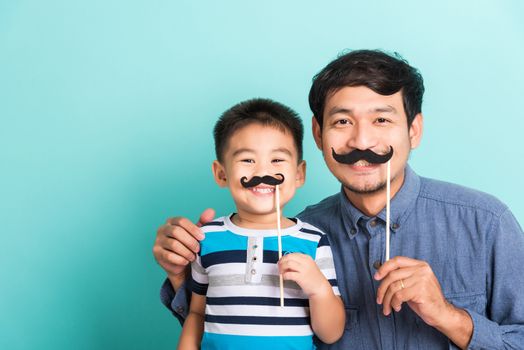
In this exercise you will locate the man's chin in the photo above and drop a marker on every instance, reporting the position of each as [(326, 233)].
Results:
[(365, 189)]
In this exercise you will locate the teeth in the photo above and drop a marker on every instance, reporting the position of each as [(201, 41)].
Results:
[(263, 190), (361, 162)]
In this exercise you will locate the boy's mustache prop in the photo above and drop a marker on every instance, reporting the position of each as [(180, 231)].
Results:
[(257, 180), (367, 155)]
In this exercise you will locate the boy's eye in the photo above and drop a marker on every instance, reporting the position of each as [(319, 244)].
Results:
[(248, 161), (277, 160)]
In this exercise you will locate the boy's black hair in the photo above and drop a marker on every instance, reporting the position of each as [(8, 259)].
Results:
[(383, 73), (258, 110)]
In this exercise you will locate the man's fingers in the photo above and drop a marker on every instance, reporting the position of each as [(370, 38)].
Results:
[(396, 294), (181, 236), (180, 249), (206, 216), (391, 278), (394, 264), (189, 227)]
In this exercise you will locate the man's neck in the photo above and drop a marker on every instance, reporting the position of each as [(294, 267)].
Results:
[(372, 203)]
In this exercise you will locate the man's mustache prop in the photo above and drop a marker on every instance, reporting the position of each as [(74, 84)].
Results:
[(367, 155), (257, 180)]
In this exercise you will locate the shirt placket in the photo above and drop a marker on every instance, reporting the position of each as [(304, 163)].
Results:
[(255, 249), (376, 248)]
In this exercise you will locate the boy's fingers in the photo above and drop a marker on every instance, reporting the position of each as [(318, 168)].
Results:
[(206, 216)]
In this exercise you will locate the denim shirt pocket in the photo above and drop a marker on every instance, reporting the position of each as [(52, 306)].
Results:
[(352, 338), (474, 301)]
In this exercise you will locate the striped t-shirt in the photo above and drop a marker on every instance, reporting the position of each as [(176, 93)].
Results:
[(236, 269)]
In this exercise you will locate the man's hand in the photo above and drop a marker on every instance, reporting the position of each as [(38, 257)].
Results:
[(176, 243), (305, 272), (411, 281)]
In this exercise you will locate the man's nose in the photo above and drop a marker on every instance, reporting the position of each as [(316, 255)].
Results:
[(363, 137)]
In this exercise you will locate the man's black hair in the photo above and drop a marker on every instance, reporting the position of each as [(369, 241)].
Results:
[(383, 73), (258, 110)]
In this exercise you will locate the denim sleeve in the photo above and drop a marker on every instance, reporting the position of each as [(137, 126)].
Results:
[(503, 325), (176, 302)]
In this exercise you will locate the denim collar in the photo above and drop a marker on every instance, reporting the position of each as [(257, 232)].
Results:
[(401, 205)]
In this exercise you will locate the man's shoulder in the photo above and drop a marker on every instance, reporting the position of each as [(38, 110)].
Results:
[(457, 195), (325, 205)]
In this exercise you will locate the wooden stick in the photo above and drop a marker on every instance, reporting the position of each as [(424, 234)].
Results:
[(388, 200), (279, 235)]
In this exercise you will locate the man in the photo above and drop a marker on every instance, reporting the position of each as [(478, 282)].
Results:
[(455, 278)]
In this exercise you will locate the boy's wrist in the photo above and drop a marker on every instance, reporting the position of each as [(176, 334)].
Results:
[(323, 291)]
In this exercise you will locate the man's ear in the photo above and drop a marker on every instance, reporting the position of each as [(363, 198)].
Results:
[(317, 133), (301, 174), (415, 131), (219, 173)]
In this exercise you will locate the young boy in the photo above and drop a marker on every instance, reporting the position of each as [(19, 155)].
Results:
[(236, 290)]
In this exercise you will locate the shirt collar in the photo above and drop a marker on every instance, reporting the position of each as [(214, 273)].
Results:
[(401, 205)]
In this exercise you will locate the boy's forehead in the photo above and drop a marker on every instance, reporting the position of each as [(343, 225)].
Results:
[(256, 137)]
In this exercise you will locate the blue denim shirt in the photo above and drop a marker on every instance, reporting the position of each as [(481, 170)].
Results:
[(470, 239)]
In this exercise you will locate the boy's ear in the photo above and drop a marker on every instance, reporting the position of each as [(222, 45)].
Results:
[(301, 174), (317, 133), (219, 173)]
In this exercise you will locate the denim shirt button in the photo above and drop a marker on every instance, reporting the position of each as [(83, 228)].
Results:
[(373, 223), (377, 264), (353, 230), (395, 226)]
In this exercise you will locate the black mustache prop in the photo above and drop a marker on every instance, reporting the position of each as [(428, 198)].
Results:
[(257, 180), (367, 155)]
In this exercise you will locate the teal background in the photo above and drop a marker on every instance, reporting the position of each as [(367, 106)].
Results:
[(106, 114)]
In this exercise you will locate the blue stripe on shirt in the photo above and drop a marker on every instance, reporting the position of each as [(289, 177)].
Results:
[(213, 341)]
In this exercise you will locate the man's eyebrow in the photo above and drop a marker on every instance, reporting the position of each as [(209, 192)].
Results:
[(349, 111), (341, 110), (384, 109), (243, 150)]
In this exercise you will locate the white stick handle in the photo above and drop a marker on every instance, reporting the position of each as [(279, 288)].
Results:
[(279, 236), (388, 200)]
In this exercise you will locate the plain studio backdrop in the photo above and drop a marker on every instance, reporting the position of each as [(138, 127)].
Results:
[(107, 109)]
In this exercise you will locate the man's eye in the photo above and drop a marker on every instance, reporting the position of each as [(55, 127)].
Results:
[(342, 122), (382, 120)]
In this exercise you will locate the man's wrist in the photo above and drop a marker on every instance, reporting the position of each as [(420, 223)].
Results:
[(457, 325), (178, 279)]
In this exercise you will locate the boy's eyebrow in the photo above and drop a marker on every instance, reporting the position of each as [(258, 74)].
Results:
[(250, 150), (243, 150), (283, 150)]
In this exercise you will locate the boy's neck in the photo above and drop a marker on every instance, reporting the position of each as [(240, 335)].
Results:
[(260, 222)]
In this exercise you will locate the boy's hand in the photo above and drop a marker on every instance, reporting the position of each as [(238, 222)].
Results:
[(177, 242), (305, 272)]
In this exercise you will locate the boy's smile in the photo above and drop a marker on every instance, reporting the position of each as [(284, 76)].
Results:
[(259, 150)]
